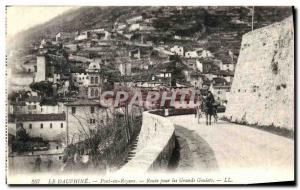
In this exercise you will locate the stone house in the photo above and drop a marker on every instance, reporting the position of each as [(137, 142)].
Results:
[(61, 36), (195, 79), (228, 66), (84, 117), (95, 81), (193, 54), (220, 89), (31, 105), (82, 36), (203, 66), (50, 127), (135, 53), (227, 75), (134, 19), (178, 50)]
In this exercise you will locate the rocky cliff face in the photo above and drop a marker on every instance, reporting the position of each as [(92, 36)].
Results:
[(263, 88)]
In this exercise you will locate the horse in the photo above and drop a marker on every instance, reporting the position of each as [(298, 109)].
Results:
[(215, 114), (199, 108), (198, 113), (210, 109)]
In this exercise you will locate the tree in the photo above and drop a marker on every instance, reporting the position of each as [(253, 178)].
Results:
[(21, 134), (109, 72), (105, 142), (20, 95), (21, 142), (43, 88), (176, 66)]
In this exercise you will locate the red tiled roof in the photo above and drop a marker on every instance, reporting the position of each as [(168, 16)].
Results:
[(219, 81), (36, 117), (83, 102), (19, 103), (224, 73), (33, 99)]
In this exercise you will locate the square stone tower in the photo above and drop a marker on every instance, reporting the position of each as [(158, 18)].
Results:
[(41, 68)]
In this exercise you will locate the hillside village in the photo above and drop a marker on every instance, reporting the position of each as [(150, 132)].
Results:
[(156, 50)]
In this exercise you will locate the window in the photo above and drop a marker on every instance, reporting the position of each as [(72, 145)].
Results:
[(92, 80), (73, 110), (92, 109), (50, 125), (92, 92), (31, 107), (96, 92), (42, 126), (96, 80), (30, 126), (92, 121), (61, 125)]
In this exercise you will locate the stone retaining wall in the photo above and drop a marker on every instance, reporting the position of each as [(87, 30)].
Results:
[(262, 92)]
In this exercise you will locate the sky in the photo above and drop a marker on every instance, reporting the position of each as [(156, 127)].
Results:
[(20, 18)]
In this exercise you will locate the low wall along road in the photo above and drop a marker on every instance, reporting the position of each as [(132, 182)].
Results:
[(155, 146), (223, 149)]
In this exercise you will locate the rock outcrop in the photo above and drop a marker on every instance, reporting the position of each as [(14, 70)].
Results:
[(263, 87)]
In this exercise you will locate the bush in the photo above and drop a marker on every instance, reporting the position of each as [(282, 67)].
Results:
[(44, 88)]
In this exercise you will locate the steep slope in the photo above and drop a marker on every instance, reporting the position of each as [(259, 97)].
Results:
[(215, 19), (79, 19), (217, 29)]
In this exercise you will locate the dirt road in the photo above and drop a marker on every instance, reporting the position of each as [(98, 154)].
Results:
[(243, 153)]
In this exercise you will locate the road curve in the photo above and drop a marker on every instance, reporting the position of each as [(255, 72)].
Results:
[(245, 154)]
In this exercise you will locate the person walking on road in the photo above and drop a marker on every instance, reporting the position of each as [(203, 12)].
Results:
[(198, 109)]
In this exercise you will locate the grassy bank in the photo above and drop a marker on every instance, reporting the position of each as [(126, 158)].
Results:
[(269, 128)]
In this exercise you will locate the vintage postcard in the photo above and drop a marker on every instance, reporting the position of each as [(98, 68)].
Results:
[(150, 95)]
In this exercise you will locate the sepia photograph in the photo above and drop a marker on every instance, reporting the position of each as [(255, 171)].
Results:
[(150, 95)]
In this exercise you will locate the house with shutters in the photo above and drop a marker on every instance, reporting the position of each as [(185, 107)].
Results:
[(83, 117), (49, 127)]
